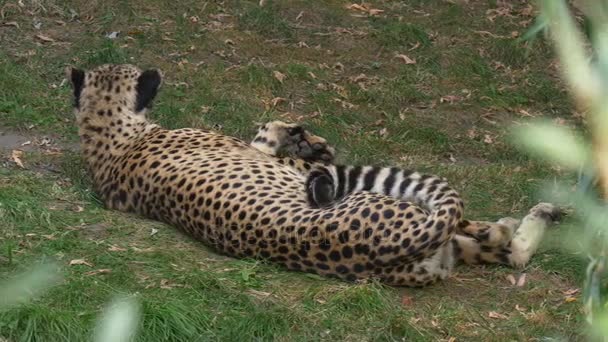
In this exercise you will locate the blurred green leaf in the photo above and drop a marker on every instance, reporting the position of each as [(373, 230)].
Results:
[(28, 285), (119, 321), (556, 143)]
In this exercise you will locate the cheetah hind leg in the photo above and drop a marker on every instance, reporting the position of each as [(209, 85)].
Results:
[(497, 233), (278, 138), (519, 250)]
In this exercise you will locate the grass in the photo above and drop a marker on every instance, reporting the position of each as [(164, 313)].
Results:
[(447, 114)]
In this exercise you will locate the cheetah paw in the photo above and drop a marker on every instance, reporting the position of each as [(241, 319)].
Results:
[(307, 146)]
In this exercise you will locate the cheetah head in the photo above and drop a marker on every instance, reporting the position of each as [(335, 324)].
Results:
[(113, 91)]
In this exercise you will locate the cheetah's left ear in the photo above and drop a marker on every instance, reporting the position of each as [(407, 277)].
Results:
[(147, 86)]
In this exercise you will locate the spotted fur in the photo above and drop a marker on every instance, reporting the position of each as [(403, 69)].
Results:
[(246, 200)]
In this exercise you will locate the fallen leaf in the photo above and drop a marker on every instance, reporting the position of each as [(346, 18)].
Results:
[(16, 157), (275, 102), (80, 262), (406, 59), (31, 234), (364, 8), (164, 284), (78, 209), (257, 293), (99, 271), (496, 315), (571, 292), (113, 248), (44, 38), (407, 301), (153, 231), (142, 250), (11, 23), (112, 35), (522, 280), (229, 42), (279, 76), (511, 279), (570, 299), (472, 133), (520, 308), (449, 98), (525, 113), (488, 139)]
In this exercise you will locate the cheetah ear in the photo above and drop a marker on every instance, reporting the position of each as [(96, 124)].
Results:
[(147, 86), (76, 77)]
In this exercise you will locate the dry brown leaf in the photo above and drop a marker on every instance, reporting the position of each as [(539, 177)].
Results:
[(142, 250), (364, 8), (520, 308), (525, 113), (375, 11), (11, 23), (44, 38), (511, 279), (496, 315), (571, 292), (417, 45), (113, 248), (522, 280), (450, 99), (407, 301), (279, 76), (406, 59), (80, 262), (165, 284), (472, 133), (488, 139), (16, 157), (99, 271), (340, 90), (570, 299), (277, 100), (78, 209), (357, 7), (260, 294)]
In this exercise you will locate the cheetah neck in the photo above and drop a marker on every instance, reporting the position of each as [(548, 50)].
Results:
[(105, 138)]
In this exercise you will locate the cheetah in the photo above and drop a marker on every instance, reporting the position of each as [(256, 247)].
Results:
[(281, 198)]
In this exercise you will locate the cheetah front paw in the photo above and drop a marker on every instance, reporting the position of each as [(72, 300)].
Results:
[(304, 145), (277, 136), (547, 211)]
